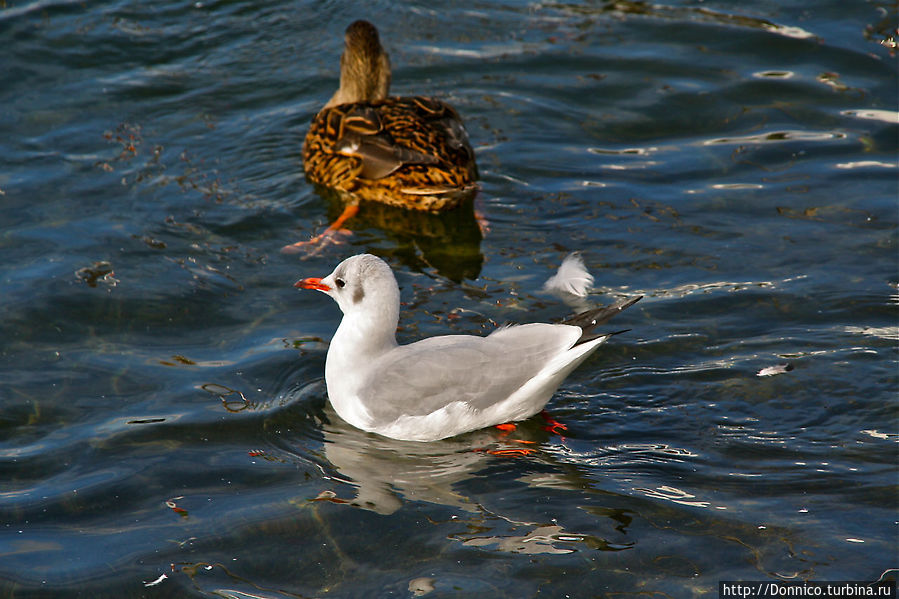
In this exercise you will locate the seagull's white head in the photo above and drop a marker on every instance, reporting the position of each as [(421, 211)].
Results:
[(363, 287)]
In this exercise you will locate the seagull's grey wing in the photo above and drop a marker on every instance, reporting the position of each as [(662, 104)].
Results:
[(422, 377)]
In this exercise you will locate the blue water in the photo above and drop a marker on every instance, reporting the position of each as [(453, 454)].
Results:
[(162, 403)]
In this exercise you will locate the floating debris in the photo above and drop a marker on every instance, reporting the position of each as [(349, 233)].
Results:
[(421, 586), (328, 495), (146, 421), (98, 272), (155, 582), (170, 503), (778, 369)]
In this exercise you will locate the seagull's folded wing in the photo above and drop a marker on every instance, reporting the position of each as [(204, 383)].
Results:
[(420, 378)]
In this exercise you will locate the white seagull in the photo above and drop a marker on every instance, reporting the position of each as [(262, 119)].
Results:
[(447, 385)]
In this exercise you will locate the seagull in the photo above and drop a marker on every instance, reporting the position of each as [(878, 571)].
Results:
[(447, 385)]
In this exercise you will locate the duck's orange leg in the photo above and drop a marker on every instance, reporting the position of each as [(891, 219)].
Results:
[(483, 223), (336, 227)]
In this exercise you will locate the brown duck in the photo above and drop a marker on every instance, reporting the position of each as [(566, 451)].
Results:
[(412, 152)]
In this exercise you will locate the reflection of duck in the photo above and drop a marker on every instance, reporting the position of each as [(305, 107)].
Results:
[(449, 242), (411, 152)]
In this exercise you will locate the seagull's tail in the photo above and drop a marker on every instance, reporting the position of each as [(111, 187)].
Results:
[(590, 320)]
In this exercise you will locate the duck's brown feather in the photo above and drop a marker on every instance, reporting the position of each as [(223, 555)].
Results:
[(411, 152)]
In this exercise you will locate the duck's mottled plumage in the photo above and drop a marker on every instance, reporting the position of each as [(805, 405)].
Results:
[(411, 152)]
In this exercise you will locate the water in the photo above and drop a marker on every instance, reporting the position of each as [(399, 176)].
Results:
[(162, 407)]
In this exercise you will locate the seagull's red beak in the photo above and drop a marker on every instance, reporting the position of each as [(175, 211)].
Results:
[(311, 283)]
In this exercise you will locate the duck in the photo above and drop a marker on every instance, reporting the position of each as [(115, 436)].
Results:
[(411, 152), (446, 385)]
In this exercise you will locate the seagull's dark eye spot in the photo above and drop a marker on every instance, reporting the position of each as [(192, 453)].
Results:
[(340, 283), (358, 294)]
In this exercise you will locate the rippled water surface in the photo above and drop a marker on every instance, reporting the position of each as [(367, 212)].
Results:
[(164, 430)]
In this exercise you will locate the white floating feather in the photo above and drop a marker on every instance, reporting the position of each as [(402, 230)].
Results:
[(773, 370), (572, 277)]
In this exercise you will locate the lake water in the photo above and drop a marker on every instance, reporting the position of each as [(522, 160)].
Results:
[(164, 430)]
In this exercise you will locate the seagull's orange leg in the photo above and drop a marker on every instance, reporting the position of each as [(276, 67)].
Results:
[(510, 452), (552, 425)]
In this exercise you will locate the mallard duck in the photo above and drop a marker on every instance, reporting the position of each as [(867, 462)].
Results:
[(412, 152)]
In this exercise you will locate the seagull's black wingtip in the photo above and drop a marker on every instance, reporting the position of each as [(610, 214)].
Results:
[(589, 320)]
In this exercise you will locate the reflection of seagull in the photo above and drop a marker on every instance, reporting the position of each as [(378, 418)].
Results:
[(447, 385), (411, 152), (387, 472)]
